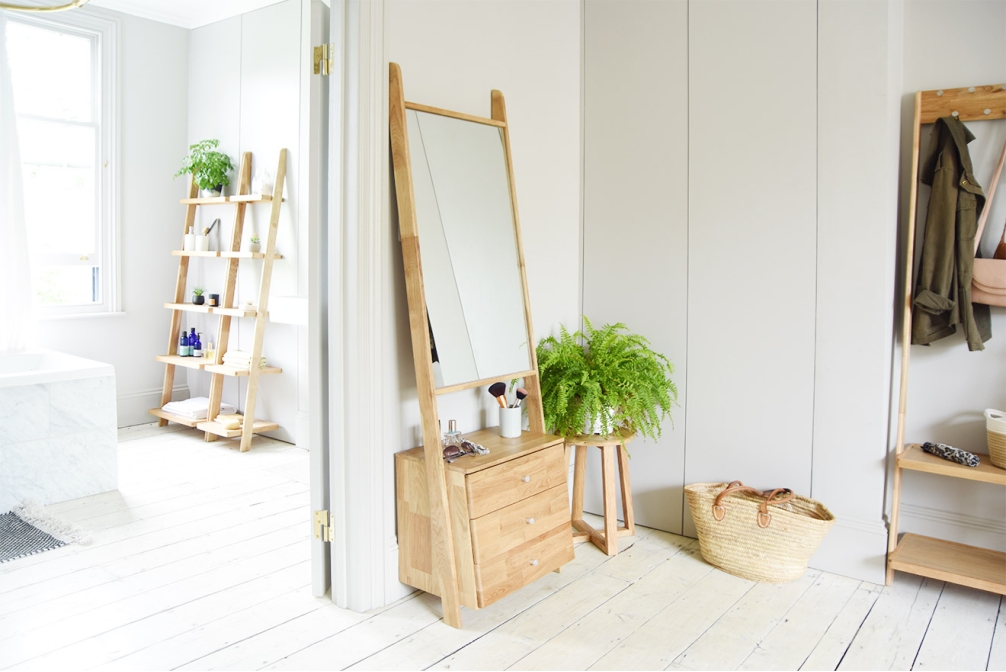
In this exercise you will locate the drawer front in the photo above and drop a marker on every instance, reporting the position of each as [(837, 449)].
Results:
[(497, 532), (528, 562), (494, 488)]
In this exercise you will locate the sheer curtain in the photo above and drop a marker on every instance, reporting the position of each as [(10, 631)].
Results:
[(16, 318)]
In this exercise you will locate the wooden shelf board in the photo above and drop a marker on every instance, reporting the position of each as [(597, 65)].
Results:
[(232, 371), (216, 428), (221, 200), (209, 200), (181, 420), (500, 449), (192, 308), (187, 362), (949, 561), (916, 460), (188, 307), (226, 254)]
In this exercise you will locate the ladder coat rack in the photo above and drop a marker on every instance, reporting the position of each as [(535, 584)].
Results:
[(226, 310), (916, 554)]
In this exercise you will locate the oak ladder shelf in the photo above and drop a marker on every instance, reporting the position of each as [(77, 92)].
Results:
[(913, 553), (226, 310)]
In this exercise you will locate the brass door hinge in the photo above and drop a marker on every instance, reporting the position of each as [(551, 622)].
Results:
[(322, 526), (324, 57)]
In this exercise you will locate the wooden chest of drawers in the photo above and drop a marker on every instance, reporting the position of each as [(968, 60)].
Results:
[(509, 516)]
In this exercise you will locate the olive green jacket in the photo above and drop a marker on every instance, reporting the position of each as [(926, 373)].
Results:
[(943, 286)]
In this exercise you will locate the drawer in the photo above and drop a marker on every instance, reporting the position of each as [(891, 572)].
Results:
[(528, 562), (494, 488), (497, 532)]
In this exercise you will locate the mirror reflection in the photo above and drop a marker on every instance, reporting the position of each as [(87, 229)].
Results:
[(468, 248)]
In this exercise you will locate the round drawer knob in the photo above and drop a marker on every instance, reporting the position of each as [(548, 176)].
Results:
[(526, 479), (534, 563), (530, 521)]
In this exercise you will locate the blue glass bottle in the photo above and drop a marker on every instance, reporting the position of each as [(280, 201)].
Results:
[(183, 345), (197, 349), (192, 342)]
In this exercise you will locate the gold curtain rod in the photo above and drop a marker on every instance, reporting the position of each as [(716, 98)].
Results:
[(28, 8)]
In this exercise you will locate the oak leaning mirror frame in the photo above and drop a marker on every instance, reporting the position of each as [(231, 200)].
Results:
[(476, 529)]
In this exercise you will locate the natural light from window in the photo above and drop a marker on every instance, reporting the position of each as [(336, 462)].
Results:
[(56, 77)]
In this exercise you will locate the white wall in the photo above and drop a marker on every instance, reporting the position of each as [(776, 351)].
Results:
[(452, 54), (950, 45), (244, 88), (748, 230), (153, 71)]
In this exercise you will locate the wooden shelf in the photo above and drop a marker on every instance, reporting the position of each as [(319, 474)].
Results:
[(187, 362), (949, 561), (233, 371), (181, 420), (232, 312), (216, 428), (224, 254), (221, 200), (916, 460)]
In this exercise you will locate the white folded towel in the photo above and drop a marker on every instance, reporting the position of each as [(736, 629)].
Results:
[(194, 408)]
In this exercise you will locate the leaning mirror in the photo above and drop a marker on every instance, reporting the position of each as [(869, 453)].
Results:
[(468, 247)]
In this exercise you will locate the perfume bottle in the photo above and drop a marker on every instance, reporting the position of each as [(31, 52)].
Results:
[(452, 437)]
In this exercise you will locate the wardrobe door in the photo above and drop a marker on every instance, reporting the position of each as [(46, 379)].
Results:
[(751, 242), (635, 239)]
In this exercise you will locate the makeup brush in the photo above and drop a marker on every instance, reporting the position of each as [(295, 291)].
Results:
[(521, 393), (498, 390), (207, 230)]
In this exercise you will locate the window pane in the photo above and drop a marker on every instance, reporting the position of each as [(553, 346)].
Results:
[(51, 72), (58, 161), (66, 284)]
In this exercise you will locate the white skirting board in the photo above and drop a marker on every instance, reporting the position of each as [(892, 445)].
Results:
[(855, 548), (132, 407)]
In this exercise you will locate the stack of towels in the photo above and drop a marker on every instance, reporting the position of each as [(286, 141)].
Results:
[(239, 359), (195, 408)]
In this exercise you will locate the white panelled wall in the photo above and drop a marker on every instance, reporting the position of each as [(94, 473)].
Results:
[(741, 164), (245, 90)]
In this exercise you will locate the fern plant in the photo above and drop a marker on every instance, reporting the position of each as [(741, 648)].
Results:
[(604, 374)]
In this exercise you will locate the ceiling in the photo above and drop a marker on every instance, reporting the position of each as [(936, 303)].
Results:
[(184, 13)]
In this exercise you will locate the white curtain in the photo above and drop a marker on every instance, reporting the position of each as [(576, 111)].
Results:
[(16, 318)]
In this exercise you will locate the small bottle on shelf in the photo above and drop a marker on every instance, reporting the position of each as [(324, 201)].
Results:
[(208, 351), (197, 349), (192, 342), (183, 345)]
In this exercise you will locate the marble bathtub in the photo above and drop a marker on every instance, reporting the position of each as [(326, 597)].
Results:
[(57, 428)]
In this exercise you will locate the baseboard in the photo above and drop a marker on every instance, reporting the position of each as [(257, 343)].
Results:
[(132, 407), (856, 548), (953, 526)]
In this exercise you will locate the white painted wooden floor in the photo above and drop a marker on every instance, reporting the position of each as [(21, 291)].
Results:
[(201, 561)]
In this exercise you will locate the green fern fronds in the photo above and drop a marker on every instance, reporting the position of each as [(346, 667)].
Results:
[(605, 374)]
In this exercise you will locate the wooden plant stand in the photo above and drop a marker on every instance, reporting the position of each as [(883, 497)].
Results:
[(226, 310), (606, 540), (925, 556)]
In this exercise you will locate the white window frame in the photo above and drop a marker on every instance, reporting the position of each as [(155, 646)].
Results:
[(105, 77)]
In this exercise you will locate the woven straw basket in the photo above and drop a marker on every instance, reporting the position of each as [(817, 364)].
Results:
[(754, 535), (995, 426)]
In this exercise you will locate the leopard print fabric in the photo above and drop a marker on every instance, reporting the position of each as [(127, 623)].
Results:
[(953, 454)]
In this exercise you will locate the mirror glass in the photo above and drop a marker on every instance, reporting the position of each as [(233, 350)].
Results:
[(468, 249)]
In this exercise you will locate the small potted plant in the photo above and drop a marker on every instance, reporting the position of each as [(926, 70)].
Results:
[(207, 166), (254, 244), (197, 296), (604, 381)]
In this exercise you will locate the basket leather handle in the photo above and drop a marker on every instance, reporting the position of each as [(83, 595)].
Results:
[(764, 517)]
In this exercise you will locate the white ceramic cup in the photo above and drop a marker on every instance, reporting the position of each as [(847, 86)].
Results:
[(510, 422), (202, 243), (189, 242)]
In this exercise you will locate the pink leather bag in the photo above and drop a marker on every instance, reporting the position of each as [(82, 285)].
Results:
[(988, 284)]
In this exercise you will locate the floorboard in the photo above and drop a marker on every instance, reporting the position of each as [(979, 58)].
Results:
[(201, 561)]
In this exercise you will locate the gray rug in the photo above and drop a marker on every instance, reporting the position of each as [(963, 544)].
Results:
[(18, 538)]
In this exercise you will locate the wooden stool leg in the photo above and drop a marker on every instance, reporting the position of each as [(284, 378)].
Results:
[(579, 476), (623, 473), (610, 517)]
